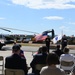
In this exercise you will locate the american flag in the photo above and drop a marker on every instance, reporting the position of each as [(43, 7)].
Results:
[(40, 37)]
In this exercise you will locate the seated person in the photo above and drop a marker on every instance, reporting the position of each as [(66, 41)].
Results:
[(51, 68), (67, 57), (39, 51), (15, 61), (58, 51), (39, 59), (21, 52)]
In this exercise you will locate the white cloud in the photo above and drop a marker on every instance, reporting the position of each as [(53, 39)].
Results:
[(46, 4), (53, 18), (1, 18)]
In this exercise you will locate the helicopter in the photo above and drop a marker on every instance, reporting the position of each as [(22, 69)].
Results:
[(37, 38)]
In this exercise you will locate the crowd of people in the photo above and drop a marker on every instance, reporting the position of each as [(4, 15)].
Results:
[(49, 61)]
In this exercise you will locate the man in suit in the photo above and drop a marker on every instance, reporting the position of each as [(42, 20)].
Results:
[(15, 61), (47, 41), (64, 42), (39, 59)]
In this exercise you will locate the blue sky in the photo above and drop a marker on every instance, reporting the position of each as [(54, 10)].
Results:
[(38, 16)]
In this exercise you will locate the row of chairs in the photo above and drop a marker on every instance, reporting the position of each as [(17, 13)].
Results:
[(21, 72), (38, 67)]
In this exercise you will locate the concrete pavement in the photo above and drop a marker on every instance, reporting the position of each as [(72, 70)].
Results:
[(28, 56)]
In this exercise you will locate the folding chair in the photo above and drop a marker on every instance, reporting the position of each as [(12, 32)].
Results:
[(38, 67), (2, 63), (67, 66), (14, 72)]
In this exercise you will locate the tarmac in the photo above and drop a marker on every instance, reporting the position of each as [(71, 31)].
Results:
[(28, 56)]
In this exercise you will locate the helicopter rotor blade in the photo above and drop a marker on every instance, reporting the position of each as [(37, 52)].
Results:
[(5, 28)]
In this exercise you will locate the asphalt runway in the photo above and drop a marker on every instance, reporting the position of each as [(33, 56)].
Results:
[(24, 48), (28, 48)]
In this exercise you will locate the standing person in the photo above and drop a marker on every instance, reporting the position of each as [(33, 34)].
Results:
[(15, 61), (64, 42), (51, 68), (47, 41)]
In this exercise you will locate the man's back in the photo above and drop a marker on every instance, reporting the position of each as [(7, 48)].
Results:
[(58, 52), (38, 59), (16, 62), (48, 70)]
